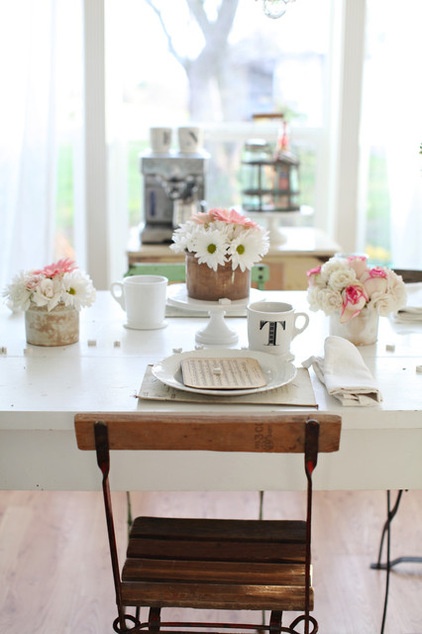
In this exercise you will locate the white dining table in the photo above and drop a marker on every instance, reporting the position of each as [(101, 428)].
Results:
[(41, 388)]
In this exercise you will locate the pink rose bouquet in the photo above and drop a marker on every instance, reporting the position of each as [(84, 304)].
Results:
[(220, 236), (349, 286), (58, 283)]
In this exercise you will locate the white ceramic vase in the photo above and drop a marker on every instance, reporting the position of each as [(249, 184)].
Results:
[(361, 330)]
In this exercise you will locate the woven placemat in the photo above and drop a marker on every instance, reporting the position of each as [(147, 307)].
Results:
[(298, 392)]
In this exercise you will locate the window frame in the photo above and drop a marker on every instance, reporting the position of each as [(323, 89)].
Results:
[(337, 210)]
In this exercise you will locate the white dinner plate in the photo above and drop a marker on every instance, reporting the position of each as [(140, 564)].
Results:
[(276, 371)]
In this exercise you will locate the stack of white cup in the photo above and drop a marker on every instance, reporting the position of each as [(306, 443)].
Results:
[(190, 139)]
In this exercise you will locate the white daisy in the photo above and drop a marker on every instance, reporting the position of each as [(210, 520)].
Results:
[(78, 290), (18, 293), (247, 249), (210, 247), (217, 235)]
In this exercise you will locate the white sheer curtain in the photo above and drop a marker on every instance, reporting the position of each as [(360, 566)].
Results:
[(33, 72), (27, 134)]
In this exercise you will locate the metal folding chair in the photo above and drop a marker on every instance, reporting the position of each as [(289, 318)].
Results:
[(217, 564)]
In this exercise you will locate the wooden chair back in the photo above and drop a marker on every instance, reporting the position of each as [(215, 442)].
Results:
[(212, 563)]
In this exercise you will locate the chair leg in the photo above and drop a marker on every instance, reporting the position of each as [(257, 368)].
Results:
[(154, 620), (129, 518), (275, 621)]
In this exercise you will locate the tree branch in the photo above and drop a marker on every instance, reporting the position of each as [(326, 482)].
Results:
[(173, 51)]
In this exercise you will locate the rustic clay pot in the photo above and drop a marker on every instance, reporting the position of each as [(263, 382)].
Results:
[(59, 327), (204, 283)]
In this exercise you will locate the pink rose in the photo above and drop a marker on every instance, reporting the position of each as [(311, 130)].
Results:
[(312, 274), (358, 264), (32, 283), (375, 281), (354, 299)]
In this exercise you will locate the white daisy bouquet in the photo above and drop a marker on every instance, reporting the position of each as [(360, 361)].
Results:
[(220, 236), (349, 286), (58, 283)]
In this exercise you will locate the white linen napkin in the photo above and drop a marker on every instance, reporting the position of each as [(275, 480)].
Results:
[(412, 312), (345, 374)]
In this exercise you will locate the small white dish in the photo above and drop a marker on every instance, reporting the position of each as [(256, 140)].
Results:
[(177, 295), (277, 372), (164, 324)]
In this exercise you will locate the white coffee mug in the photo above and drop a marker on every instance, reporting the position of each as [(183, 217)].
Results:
[(190, 139), (272, 327), (143, 298), (160, 140)]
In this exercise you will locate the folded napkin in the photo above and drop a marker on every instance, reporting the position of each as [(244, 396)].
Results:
[(345, 374), (412, 312)]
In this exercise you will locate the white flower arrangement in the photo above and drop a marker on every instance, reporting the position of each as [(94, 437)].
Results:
[(58, 283), (349, 286), (220, 236)]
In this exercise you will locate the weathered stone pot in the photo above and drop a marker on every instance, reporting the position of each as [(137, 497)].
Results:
[(204, 283), (362, 330), (58, 327)]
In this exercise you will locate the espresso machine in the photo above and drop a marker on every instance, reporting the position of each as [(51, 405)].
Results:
[(173, 189)]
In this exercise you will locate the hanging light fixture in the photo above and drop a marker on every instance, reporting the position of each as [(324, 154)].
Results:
[(275, 8)]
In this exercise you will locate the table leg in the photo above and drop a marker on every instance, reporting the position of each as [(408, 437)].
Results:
[(390, 563)]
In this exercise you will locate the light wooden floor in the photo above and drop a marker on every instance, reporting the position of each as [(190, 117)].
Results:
[(55, 575)]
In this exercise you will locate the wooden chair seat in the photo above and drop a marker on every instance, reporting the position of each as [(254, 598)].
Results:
[(219, 564)]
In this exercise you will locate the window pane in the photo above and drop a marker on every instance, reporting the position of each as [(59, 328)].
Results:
[(392, 132), (163, 69)]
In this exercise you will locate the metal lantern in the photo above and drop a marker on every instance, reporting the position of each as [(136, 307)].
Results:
[(270, 182)]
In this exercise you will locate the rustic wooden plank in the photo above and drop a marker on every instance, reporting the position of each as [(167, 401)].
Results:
[(272, 432), (223, 529), (215, 550), (213, 539), (222, 571), (214, 596)]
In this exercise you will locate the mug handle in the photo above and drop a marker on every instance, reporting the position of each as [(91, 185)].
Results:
[(296, 330), (116, 289)]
